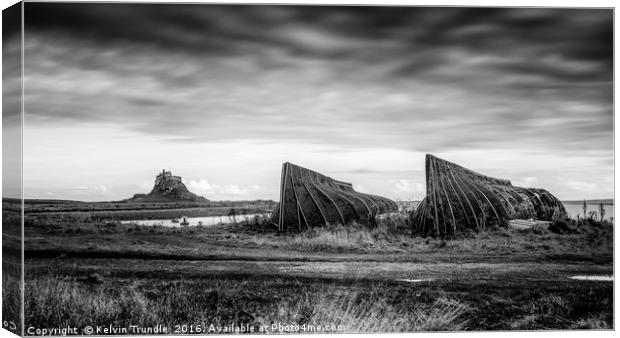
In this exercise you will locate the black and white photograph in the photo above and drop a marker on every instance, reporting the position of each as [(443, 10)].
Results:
[(207, 168)]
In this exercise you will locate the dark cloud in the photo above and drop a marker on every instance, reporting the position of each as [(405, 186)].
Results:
[(420, 78), (11, 64), (11, 22)]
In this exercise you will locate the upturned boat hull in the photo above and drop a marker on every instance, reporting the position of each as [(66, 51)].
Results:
[(458, 198), (309, 199)]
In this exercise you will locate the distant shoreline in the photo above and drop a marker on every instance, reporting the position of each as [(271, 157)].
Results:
[(609, 201), (597, 201)]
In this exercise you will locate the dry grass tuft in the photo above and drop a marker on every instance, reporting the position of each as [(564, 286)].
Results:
[(355, 312)]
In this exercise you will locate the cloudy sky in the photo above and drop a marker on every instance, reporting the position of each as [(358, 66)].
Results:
[(223, 95)]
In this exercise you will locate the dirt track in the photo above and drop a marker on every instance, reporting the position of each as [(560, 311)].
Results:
[(357, 270)]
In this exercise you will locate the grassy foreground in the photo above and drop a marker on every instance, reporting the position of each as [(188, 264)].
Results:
[(65, 301), (344, 306), (84, 271)]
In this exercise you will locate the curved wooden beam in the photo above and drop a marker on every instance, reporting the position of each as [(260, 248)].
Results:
[(313, 199)]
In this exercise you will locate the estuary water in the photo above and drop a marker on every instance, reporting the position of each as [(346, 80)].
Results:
[(195, 221), (576, 209)]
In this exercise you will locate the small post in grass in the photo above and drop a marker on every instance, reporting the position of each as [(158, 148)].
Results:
[(585, 210)]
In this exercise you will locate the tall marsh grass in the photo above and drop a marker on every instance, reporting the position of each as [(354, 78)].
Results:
[(357, 312), (11, 301), (55, 301), (387, 233)]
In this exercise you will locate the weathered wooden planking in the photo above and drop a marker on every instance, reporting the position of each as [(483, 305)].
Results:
[(309, 199), (458, 198), (522, 224)]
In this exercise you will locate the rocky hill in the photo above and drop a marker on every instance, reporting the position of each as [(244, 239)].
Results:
[(168, 188)]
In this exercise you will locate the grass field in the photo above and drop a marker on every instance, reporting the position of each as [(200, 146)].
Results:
[(360, 305), (86, 270)]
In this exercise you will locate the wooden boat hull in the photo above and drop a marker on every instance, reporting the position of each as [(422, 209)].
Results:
[(458, 198), (309, 199)]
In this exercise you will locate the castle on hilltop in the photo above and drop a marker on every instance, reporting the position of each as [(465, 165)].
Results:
[(166, 176), (167, 188)]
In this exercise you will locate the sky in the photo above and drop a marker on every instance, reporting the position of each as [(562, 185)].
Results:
[(222, 95)]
